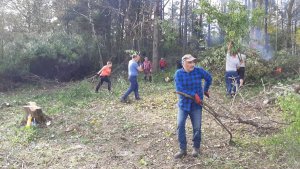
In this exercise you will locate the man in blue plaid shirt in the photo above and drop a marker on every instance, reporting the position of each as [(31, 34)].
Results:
[(188, 80)]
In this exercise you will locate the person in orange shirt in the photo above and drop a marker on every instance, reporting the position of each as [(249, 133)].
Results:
[(104, 75)]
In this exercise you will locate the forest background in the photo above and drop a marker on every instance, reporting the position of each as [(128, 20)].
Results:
[(68, 40)]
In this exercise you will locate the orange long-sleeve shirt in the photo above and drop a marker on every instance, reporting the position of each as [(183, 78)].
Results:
[(105, 71)]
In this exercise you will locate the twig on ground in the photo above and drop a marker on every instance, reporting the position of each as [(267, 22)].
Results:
[(263, 85), (194, 165)]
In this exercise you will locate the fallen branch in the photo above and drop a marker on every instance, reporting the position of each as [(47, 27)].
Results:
[(194, 165), (227, 115)]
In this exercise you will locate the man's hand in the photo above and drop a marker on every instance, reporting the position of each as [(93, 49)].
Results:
[(206, 94), (198, 99)]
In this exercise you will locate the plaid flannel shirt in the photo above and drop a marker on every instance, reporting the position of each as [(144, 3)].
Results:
[(191, 83)]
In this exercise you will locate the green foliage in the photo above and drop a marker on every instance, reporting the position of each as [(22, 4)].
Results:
[(236, 22), (290, 106), (169, 35), (288, 139), (289, 63), (131, 52), (214, 61), (24, 135), (61, 46), (257, 69), (76, 95)]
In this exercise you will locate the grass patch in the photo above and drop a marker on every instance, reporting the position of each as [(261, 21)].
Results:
[(24, 135), (288, 140)]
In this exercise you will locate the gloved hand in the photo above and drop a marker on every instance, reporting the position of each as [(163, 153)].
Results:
[(198, 99), (206, 94)]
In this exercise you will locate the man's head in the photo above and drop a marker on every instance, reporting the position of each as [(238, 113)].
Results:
[(136, 57), (188, 62), (146, 58)]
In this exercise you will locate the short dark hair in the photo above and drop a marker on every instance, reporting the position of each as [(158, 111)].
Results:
[(134, 55)]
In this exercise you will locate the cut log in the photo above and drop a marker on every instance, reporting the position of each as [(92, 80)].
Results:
[(36, 113)]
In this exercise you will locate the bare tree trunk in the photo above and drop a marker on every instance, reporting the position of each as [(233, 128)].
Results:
[(208, 36), (289, 24), (295, 34), (180, 20), (128, 26), (142, 25), (266, 22), (193, 18), (94, 34), (155, 37), (172, 12), (108, 32), (162, 12), (28, 16), (120, 30), (200, 33), (185, 24), (2, 34)]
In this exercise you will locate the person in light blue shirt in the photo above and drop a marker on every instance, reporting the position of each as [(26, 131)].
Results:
[(133, 71)]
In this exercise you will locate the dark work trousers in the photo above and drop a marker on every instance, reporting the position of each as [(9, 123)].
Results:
[(104, 79)]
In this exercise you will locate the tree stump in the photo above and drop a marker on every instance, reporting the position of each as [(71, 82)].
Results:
[(36, 113)]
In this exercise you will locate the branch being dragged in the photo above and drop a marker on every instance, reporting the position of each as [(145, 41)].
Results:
[(212, 112), (229, 116)]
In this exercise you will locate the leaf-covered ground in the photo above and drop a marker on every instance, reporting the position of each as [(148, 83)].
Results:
[(95, 130)]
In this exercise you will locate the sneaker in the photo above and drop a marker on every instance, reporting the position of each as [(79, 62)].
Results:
[(196, 152), (180, 154), (138, 98), (229, 96), (123, 100)]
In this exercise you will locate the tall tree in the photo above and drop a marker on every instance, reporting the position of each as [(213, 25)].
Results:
[(155, 36), (266, 22), (289, 23), (180, 22), (185, 24)]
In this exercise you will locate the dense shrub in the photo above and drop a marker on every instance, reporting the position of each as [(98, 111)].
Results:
[(55, 55), (290, 64), (214, 61)]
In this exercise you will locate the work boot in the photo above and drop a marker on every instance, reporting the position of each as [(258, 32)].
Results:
[(180, 154), (196, 152)]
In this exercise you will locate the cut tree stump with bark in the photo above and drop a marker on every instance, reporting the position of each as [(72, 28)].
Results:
[(36, 114)]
